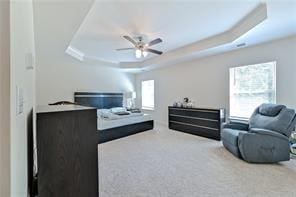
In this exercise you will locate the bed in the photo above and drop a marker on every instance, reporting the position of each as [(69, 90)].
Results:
[(117, 126)]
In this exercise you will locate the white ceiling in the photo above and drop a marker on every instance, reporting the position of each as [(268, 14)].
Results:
[(178, 23), (281, 22)]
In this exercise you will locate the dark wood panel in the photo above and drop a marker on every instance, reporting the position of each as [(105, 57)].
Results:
[(32, 189), (119, 132), (67, 154), (67, 151), (99, 100)]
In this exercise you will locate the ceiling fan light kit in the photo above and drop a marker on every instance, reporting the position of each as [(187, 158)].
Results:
[(140, 53), (142, 49), (145, 53)]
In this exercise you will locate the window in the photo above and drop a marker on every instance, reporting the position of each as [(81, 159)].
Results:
[(148, 94), (251, 86)]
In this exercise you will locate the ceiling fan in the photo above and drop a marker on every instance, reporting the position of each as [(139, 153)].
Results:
[(142, 49)]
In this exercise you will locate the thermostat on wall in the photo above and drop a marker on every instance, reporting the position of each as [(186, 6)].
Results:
[(30, 61)]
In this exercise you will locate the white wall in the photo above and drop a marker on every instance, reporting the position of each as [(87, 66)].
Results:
[(58, 80), (206, 80), (22, 44), (4, 100), (58, 75)]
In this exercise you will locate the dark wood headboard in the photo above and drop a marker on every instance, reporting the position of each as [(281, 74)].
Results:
[(98, 99)]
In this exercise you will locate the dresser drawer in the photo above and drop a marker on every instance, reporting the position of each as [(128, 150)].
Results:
[(195, 121), (195, 130), (207, 114)]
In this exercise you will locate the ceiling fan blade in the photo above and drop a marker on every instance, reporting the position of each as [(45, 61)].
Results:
[(154, 51), (131, 40), (123, 49), (154, 42)]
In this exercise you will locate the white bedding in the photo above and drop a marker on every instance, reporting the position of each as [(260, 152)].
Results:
[(133, 118), (107, 114)]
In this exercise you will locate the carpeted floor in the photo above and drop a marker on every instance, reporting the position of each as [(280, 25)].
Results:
[(166, 163)]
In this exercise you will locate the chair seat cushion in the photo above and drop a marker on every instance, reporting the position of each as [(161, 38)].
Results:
[(230, 136)]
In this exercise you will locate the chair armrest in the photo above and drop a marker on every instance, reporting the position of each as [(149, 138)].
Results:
[(268, 132), (236, 125), (263, 146)]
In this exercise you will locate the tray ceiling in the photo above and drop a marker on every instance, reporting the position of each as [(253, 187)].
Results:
[(179, 24)]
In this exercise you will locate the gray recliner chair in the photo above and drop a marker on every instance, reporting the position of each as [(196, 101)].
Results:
[(265, 139)]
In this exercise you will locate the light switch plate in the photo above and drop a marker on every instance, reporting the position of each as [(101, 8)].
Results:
[(19, 100)]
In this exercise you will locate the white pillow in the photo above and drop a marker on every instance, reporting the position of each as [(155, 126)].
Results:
[(109, 116), (106, 114), (118, 109), (102, 112)]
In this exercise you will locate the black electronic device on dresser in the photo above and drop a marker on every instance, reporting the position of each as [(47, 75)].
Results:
[(197, 121)]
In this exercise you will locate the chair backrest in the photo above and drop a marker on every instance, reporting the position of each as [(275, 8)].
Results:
[(273, 117)]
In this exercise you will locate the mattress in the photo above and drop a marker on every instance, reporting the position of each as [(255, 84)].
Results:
[(104, 124)]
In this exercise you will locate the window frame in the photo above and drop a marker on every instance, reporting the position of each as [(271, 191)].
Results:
[(147, 107), (275, 88)]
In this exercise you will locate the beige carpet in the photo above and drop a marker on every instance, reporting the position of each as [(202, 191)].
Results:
[(165, 163)]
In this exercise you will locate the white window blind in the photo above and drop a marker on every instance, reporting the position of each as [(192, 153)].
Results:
[(251, 86), (148, 94)]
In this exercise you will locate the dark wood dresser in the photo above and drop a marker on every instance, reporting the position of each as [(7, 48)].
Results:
[(67, 152), (197, 121)]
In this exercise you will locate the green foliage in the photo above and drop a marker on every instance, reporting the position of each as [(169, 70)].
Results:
[(254, 78)]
